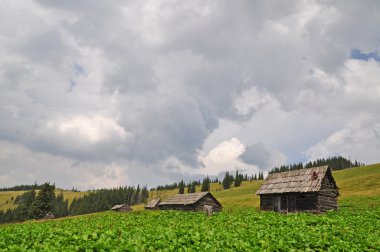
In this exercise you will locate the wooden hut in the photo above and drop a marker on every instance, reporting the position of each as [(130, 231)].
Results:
[(191, 202), (305, 190), (122, 208), (49, 216), (153, 204)]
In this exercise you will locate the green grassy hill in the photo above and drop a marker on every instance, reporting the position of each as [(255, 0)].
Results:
[(7, 197), (359, 187)]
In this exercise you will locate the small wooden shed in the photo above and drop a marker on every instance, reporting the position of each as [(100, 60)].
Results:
[(49, 216), (191, 202), (122, 208), (153, 204), (304, 190)]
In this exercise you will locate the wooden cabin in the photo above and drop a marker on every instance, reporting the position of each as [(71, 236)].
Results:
[(153, 204), (191, 202), (304, 190), (122, 208), (49, 216)]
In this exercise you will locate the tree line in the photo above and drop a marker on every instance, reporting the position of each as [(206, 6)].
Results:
[(228, 181), (335, 163), (105, 199), (37, 205), (22, 187)]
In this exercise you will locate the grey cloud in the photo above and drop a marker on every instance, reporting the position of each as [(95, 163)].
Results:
[(169, 73), (256, 154)]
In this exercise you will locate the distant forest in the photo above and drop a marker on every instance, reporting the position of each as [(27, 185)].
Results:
[(335, 163), (21, 188)]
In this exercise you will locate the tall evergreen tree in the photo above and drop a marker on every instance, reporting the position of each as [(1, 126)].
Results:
[(44, 201), (238, 179), (193, 187), (226, 181), (205, 185), (189, 187), (181, 187), (136, 198), (144, 194)]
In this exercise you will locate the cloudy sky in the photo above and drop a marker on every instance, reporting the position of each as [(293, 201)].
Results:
[(107, 93)]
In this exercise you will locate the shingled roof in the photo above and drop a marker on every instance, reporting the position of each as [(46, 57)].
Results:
[(153, 203), (303, 180), (116, 207), (185, 199)]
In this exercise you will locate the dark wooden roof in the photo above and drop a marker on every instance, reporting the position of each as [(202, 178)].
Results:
[(303, 180), (186, 199), (153, 203)]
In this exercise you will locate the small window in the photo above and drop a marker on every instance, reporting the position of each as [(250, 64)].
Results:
[(302, 196)]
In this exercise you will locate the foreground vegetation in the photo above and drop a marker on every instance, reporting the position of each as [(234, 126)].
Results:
[(244, 230), (240, 227)]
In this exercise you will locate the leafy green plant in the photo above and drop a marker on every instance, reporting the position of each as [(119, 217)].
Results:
[(246, 230)]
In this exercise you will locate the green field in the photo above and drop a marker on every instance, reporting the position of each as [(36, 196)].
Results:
[(240, 227), (240, 230)]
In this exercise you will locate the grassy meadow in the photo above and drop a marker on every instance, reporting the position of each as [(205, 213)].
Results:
[(358, 187)]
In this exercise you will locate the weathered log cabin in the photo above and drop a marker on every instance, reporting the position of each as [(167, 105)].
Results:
[(153, 204), (191, 202), (305, 190), (122, 208)]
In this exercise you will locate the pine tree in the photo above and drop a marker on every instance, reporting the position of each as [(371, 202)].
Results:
[(44, 201), (238, 179), (181, 187), (136, 198), (144, 194), (60, 206), (193, 187), (205, 185), (189, 187), (226, 181)]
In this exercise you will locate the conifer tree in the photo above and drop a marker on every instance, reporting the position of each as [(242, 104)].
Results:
[(226, 181), (189, 187), (44, 201), (181, 187), (205, 185), (238, 179), (193, 187)]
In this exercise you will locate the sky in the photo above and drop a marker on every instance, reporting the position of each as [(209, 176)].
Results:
[(98, 94)]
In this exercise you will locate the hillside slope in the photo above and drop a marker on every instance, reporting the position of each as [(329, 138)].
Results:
[(7, 197), (358, 187)]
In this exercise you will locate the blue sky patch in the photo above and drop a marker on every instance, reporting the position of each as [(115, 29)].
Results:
[(78, 69), (359, 55)]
